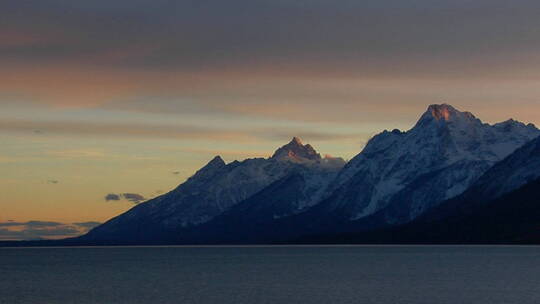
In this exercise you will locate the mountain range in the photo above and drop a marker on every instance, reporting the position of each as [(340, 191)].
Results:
[(441, 175)]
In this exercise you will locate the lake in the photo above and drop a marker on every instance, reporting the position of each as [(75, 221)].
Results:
[(273, 274)]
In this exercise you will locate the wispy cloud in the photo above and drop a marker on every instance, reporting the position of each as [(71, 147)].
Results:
[(365, 37), (33, 224), (227, 152), (87, 225), (177, 131), (131, 197), (239, 61), (129, 130), (35, 230), (76, 153), (112, 197)]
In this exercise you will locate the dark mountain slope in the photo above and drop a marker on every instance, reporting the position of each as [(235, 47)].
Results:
[(513, 218)]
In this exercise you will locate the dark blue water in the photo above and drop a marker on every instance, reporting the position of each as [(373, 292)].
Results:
[(357, 274)]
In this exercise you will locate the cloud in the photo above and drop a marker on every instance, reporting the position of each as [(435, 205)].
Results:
[(65, 154), (176, 172), (33, 224), (123, 130), (352, 35), (186, 131), (35, 230), (40, 224), (38, 233), (177, 46), (52, 181), (10, 223), (87, 225), (232, 153), (112, 197), (131, 197)]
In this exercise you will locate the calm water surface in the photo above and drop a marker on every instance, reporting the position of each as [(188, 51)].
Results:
[(338, 274)]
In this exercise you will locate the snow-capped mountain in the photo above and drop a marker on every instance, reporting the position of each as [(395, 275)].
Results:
[(399, 175), (217, 187), (516, 170)]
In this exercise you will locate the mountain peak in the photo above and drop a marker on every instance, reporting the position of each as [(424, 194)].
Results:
[(295, 150), (217, 160), (442, 111), (296, 140), (213, 165), (441, 114)]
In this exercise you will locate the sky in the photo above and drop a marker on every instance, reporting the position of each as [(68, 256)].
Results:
[(107, 103)]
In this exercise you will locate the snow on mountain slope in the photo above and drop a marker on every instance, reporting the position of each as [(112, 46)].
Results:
[(217, 187), (516, 170), (410, 172), (520, 168)]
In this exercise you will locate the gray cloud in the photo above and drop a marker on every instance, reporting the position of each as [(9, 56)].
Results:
[(35, 230), (384, 36), (112, 197), (272, 58), (87, 225), (34, 224), (37, 234), (10, 224), (132, 197), (40, 224)]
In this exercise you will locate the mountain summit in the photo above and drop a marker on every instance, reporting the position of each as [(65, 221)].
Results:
[(445, 115), (443, 111), (212, 166), (296, 151), (448, 113)]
